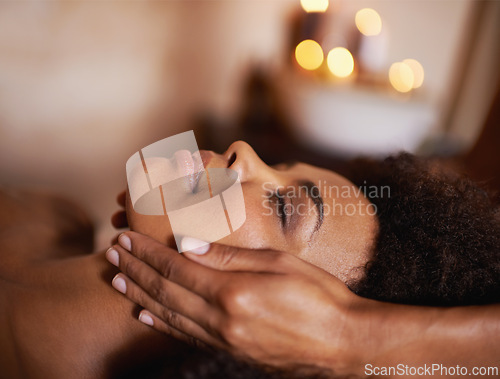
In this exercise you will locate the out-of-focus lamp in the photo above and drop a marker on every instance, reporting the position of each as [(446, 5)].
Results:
[(340, 62), (401, 77), (309, 54), (418, 72), (373, 43), (368, 22), (314, 5)]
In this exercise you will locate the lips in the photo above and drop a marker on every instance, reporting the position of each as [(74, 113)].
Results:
[(184, 162), (191, 166)]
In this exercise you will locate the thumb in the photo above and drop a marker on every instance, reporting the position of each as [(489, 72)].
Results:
[(230, 258)]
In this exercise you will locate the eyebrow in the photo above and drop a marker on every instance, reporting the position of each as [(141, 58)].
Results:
[(286, 164), (312, 192), (290, 163)]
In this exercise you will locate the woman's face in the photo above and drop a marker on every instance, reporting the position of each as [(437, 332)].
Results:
[(304, 210)]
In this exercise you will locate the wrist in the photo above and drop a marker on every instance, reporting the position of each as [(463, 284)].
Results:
[(351, 346), (378, 334), (363, 334), (393, 334)]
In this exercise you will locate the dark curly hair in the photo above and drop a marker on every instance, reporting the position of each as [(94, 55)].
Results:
[(439, 235), (438, 244)]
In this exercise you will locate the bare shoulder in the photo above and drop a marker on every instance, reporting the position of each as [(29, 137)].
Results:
[(65, 320), (35, 226), (59, 316)]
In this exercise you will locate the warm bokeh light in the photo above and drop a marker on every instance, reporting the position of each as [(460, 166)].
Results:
[(340, 62), (401, 77), (314, 5), (368, 22), (309, 54), (418, 72)]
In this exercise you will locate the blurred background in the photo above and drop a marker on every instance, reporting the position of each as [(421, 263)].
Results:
[(84, 85)]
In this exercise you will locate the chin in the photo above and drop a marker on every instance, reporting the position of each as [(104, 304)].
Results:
[(157, 227)]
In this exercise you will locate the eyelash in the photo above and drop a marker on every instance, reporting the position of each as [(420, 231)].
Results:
[(281, 208)]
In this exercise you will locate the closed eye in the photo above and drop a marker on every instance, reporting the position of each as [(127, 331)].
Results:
[(280, 209)]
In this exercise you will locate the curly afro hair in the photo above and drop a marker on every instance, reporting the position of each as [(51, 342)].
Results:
[(439, 235)]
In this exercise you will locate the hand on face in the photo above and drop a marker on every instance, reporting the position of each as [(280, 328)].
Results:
[(260, 305)]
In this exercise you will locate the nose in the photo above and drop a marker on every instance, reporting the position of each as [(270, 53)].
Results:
[(244, 160)]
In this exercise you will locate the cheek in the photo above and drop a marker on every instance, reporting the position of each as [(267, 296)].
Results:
[(250, 234), (341, 261), (344, 246), (258, 231)]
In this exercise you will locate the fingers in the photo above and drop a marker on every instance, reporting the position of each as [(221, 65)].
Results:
[(229, 258), (158, 324), (151, 290), (163, 318), (170, 264)]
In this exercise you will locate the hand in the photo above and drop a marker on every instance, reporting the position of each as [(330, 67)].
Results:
[(266, 306)]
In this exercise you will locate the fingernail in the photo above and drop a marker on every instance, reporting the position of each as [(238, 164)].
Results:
[(125, 242), (194, 245), (146, 319), (113, 257), (119, 284)]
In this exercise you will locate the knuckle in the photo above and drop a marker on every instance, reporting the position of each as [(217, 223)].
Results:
[(166, 268), (139, 249), (159, 292), (235, 300), (171, 318), (225, 256), (143, 247), (130, 267)]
